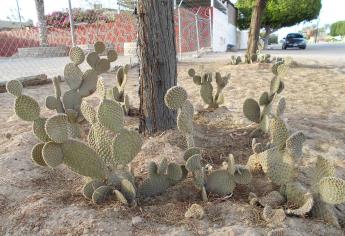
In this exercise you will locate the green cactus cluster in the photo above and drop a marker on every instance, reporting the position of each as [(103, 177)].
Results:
[(117, 93), (206, 87), (281, 67), (235, 60), (161, 177), (260, 111), (264, 58), (279, 160), (81, 84)]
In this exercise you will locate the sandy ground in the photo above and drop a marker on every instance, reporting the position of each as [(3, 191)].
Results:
[(40, 201)]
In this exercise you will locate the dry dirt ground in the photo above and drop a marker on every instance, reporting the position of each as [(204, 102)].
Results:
[(41, 201)]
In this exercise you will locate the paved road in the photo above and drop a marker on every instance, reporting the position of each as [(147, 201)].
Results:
[(333, 54), (12, 68), (319, 50)]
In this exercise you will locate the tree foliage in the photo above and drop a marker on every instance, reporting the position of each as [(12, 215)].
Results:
[(279, 13), (338, 28)]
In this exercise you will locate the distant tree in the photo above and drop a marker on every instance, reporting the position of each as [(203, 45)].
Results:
[(278, 14), (254, 29), (338, 28)]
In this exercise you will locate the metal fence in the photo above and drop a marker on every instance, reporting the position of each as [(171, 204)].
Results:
[(29, 50)]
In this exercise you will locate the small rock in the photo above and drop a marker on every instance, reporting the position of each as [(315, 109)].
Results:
[(136, 220), (195, 211), (8, 135)]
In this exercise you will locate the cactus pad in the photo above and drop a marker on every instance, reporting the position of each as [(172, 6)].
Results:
[(110, 115), (36, 154), (155, 185), (332, 190), (120, 197), (112, 55), (251, 110), (100, 88), (275, 84), (92, 59), (264, 99), (89, 83), (126, 146), (194, 163), (88, 112), (281, 107), (101, 194), (242, 175), (38, 128), (73, 75), (280, 167), (99, 47), (83, 160), (71, 100), (128, 190), (175, 97), (220, 182), (184, 121), (323, 168), (57, 128), (76, 55), (14, 87), (206, 93), (51, 102), (90, 187), (52, 154), (298, 196), (102, 66), (27, 108), (279, 132), (190, 152), (191, 72), (175, 172), (294, 144)]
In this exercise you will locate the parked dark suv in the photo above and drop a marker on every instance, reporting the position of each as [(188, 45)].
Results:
[(294, 40)]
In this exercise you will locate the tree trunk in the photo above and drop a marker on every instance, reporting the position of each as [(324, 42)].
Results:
[(254, 30), (157, 55), (42, 26)]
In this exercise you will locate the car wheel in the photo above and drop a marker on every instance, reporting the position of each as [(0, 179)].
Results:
[(304, 47)]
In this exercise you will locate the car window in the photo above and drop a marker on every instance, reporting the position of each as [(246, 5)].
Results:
[(294, 36)]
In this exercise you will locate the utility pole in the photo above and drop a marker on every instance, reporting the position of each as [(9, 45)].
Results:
[(71, 21)]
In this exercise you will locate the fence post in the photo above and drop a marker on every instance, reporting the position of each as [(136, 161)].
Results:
[(197, 30), (71, 21), (179, 29), (211, 27)]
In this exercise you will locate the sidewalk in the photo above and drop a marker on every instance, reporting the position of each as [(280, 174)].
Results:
[(13, 68)]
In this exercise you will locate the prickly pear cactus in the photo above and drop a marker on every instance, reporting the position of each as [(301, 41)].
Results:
[(161, 177), (223, 181), (206, 87), (327, 190), (235, 60), (176, 99), (260, 112), (81, 84), (117, 93)]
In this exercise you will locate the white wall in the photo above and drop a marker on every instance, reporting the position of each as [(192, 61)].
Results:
[(223, 32), (242, 39)]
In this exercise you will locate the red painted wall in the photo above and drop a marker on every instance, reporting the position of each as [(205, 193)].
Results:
[(123, 29)]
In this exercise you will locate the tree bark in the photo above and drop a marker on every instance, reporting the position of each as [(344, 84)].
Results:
[(158, 71), (42, 26), (254, 30)]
